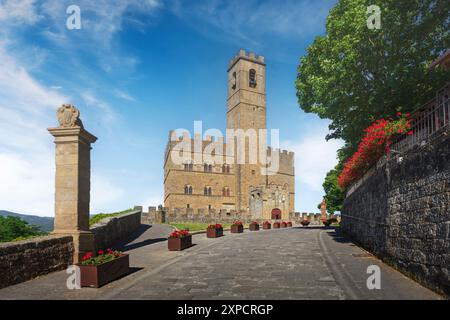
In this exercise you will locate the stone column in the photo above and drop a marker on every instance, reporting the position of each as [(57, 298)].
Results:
[(73, 179)]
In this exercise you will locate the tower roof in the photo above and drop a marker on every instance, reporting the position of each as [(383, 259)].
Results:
[(249, 56)]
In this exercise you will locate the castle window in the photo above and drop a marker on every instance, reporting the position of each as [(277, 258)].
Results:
[(187, 189), (188, 206), (207, 191), (234, 81), (252, 78), (207, 167), (209, 207), (188, 166), (226, 192), (226, 168)]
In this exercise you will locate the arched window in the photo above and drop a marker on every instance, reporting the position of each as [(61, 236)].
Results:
[(188, 166), (226, 168), (226, 192), (187, 189), (207, 191), (233, 86), (252, 78), (207, 167)]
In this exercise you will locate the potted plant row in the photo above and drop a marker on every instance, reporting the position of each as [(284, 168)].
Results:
[(106, 266), (214, 230), (276, 225), (289, 224), (254, 226), (179, 240), (305, 222), (267, 225), (237, 227), (283, 224)]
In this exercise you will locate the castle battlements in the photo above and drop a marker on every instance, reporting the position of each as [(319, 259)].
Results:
[(250, 56)]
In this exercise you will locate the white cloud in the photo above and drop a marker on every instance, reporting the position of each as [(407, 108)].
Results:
[(18, 12), (27, 108), (248, 20), (108, 115), (124, 95), (314, 157), (104, 194), (27, 169)]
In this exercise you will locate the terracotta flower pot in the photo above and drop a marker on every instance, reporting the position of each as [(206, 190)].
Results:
[(97, 276), (283, 225), (267, 226), (276, 225), (305, 223), (253, 227), (178, 244), (214, 233), (237, 228)]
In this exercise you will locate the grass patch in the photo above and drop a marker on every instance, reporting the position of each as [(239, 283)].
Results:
[(196, 226), (96, 218)]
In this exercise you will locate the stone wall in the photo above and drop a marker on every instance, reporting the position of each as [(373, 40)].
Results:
[(110, 230), (401, 213), (165, 215), (24, 260)]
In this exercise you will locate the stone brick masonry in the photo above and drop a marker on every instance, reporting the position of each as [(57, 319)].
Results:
[(402, 213), (110, 230), (23, 260)]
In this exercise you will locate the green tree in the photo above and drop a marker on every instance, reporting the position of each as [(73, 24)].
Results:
[(354, 75), (12, 228)]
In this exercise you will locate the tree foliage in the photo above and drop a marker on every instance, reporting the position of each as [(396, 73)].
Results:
[(14, 228), (354, 75)]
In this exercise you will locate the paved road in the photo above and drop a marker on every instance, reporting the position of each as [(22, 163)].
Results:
[(295, 263)]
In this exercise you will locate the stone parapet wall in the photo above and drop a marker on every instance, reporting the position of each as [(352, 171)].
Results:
[(166, 215), (401, 213), (24, 260), (110, 230)]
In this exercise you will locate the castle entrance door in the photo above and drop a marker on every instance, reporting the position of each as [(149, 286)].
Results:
[(276, 214)]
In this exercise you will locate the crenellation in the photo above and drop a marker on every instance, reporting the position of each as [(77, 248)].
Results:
[(221, 190)]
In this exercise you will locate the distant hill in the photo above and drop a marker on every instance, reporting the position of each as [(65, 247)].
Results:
[(45, 223)]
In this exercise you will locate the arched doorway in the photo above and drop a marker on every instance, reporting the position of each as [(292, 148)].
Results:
[(276, 214)]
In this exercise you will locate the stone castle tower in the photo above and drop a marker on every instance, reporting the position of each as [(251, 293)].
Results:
[(233, 185)]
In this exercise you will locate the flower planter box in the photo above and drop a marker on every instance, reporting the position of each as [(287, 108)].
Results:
[(326, 223), (267, 226), (253, 227), (97, 276), (178, 244), (276, 225), (283, 225), (237, 229), (305, 223), (214, 233), (289, 224)]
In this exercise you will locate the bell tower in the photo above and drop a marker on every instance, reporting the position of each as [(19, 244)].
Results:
[(246, 112), (246, 92)]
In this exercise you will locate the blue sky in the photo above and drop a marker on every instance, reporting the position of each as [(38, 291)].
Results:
[(135, 70)]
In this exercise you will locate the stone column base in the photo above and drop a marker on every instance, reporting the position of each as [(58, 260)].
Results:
[(83, 242)]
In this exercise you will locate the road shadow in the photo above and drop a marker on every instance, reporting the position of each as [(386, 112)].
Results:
[(336, 233), (147, 242), (128, 243)]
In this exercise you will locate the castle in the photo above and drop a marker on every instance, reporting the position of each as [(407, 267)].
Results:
[(202, 184)]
